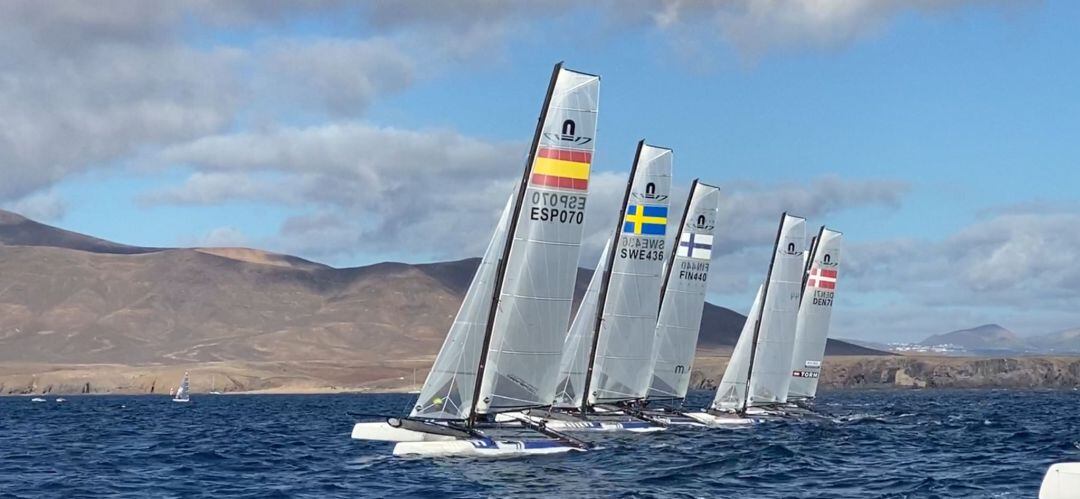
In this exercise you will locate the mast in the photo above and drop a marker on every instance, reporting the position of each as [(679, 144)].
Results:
[(810, 261), (501, 269), (761, 313), (602, 299), (678, 238)]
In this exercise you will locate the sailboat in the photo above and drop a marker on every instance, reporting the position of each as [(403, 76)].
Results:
[(182, 390), (497, 356), (213, 386), (815, 310), (758, 377), (607, 355), (682, 301), (415, 390)]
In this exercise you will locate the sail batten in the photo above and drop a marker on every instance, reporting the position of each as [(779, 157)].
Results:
[(683, 295)]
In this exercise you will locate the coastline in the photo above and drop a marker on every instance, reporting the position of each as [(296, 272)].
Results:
[(328, 377)]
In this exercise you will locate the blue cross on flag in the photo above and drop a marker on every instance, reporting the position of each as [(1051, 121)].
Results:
[(695, 246)]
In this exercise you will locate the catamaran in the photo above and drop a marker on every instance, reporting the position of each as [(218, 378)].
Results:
[(815, 310), (682, 300), (607, 355), (501, 352), (182, 390), (758, 376)]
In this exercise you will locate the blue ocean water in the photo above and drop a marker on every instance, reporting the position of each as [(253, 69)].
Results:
[(882, 444)]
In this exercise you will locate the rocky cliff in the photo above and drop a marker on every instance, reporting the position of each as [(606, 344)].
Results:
[(929, 372)]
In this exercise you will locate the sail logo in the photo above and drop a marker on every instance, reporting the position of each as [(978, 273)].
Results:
[(561, 168), (829, 261), (822, 278), (804, 374), (567, 136), (701, 223), (790, 250), (645, 220), (650, 194), (695, 246)]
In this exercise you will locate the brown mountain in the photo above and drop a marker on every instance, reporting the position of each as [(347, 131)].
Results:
[(70, 298), (984, 338)]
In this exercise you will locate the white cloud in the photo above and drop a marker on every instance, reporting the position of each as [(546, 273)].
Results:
[(370, 188), (343, 76), (43, 206)]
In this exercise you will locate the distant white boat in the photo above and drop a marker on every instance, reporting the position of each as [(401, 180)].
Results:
[(416, 388), (213, 384), (37, 399), (182, 391), (61, 399)]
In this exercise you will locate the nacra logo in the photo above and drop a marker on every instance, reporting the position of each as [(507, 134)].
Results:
[(650, 194), (701, 223), (567, 136)]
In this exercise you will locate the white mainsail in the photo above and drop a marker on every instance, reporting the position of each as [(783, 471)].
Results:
[(683, 295), (448, 391), (815, 311), (630, 301), (731, 393), (575, 357), (183, 390), (770, 362), (540, 269)]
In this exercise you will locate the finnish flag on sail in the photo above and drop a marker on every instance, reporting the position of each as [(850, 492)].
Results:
[(695, 246)]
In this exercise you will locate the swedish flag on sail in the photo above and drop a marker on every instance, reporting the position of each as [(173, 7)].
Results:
[(645, 220)]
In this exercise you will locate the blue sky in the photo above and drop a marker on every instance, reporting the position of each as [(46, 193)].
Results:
[(937, 135)]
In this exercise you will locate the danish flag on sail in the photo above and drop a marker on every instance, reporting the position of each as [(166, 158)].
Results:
[(822, 278)]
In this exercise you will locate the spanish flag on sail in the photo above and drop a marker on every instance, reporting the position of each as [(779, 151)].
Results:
[(561, 168)]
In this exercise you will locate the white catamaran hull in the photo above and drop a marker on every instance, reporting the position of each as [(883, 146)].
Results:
[(416, 443), (383, 432), (721, 421), (1062, 481), (578, 424), (482, 447)]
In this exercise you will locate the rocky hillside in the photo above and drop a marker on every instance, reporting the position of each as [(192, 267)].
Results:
[(988, 337), (66, 298), (994, 339)]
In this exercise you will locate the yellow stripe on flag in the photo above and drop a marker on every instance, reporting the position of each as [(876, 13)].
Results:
[(561, 168)]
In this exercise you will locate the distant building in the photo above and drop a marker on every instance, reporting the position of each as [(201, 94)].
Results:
[(942, 349)]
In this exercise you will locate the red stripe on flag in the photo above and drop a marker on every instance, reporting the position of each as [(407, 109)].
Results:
[(576, 184), (564, 154), (828, 273), (827, 284)]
